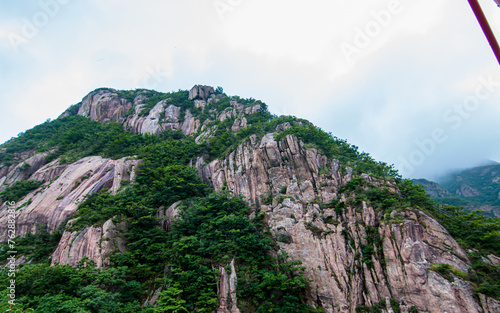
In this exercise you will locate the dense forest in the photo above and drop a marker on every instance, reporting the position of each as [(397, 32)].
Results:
[(213, 230)]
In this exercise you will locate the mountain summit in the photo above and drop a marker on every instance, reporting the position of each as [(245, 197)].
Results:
[(195, 201)]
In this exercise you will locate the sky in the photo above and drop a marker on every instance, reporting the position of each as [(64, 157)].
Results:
[(413, 83)]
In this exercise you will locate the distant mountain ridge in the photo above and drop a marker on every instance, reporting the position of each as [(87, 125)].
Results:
[(477, 188)]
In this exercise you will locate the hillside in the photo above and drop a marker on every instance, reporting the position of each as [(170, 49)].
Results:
[(476, 188), (195, 201)]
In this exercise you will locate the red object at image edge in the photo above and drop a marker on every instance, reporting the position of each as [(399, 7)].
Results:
[(486, 27)]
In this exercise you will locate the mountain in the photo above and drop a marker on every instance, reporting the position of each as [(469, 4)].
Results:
[(476, 188), (433, 189), (194, 201)]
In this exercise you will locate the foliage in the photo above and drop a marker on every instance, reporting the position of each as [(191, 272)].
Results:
[(73, 110), (37, 247), (213, 229), (377, 308), (150, 98), (19, 190), (317, 232), (74, 289), (486, 277), (129, 95), (223, 140), (285, 238), (317, 310), (373, 246), (169, 300), (396, 307), (447, 270), (97, 208), (169, 184), (5, 307), (72, 138), (211, 232), (380, 198)]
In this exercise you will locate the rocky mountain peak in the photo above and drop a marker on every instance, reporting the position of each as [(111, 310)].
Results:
[(367, 240), (200, 92), (147, 111)]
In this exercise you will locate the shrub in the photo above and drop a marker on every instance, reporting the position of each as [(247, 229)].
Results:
[(283, 189), (19, 190)]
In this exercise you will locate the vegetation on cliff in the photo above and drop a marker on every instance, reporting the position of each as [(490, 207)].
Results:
[(213, 229)]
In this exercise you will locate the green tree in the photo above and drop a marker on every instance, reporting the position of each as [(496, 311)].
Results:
[(169, 300)]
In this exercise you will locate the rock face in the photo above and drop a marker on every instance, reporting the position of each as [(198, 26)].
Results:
[(467, 191), (353, 253), (290, 182), (95, 243), (415, 247), (106, 105), (64, 187), (25, 169), (258, 169), (433, 189), (168, 216), (489, 305), (200, 92), (227, 290)]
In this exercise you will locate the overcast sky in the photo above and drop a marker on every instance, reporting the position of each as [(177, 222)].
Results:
[(413, 83)]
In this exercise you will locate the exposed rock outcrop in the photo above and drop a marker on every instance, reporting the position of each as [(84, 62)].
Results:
[(227, 290), (353, 254), (260, 168), (200, 92), (433, 189), (104, 105), (489, 305), (290, 182), (149, 124), (64, 188), (95, 243), (467, 191), (14, 173), (168, 216)]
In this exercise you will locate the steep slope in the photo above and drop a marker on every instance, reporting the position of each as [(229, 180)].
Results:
[(355, 253), (367, 240), (57, 199)]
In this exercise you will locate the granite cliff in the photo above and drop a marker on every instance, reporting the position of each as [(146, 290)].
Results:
[(357, 254)]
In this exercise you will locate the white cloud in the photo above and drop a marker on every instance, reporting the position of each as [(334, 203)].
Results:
[(286, 53)]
